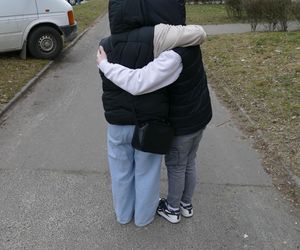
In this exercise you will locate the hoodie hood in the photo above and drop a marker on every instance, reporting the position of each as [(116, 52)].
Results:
[(126, 15)]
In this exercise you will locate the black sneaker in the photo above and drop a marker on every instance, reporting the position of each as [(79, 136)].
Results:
[(186, 211), (172, 216)]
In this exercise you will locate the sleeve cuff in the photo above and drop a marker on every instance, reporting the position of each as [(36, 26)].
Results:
[(103, 65)]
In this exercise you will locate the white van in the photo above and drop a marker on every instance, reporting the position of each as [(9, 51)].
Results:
[(41, 26)]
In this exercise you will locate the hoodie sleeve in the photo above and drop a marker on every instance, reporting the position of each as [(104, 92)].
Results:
[(157, 74), (167, 37)]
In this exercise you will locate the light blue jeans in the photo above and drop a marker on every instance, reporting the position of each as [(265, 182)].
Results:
[(135, 177)]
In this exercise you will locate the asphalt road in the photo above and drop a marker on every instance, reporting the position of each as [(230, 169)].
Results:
[(55, 185)]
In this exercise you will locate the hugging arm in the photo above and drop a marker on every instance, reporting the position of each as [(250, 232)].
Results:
[(157, 74), (171, 36), (164, 69)]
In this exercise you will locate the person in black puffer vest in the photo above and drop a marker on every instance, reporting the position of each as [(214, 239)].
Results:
[(183, 106)]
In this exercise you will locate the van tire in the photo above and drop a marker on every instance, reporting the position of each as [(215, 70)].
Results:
[(45, 42)]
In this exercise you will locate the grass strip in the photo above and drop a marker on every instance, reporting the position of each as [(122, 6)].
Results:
[(262, 72), (15, 73), (86, 13), (208, 14)]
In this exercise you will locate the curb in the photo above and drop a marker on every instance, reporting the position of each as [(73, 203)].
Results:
[(34, 80)]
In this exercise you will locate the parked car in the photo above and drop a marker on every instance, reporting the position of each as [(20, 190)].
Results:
[(39, 26)]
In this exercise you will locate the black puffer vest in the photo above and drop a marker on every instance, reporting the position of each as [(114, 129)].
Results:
[(131, 44), (190, 105), (134, 50)]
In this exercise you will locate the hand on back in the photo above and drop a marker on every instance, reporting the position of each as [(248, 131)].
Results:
[(101, 55)]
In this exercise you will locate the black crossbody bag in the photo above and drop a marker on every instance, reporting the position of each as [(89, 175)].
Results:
[(154, 137)]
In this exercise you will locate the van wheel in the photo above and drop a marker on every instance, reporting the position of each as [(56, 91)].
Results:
[(45, 43)]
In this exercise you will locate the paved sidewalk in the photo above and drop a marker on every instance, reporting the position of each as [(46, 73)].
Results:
[(55, 184), (216, 29)]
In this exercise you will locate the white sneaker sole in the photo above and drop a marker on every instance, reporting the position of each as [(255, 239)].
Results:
[(168, 218), (185, 213)]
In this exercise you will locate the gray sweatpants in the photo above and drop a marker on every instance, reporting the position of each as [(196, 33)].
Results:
[(181, 166)]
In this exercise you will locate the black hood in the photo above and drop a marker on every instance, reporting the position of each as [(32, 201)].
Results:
[(126, 15)]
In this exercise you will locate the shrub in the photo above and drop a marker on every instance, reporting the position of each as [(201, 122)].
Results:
[(276, 12), (284, 12), (205, 1), (234, 8), (253, 12), (296, 10), (269, 10), (273, 12)]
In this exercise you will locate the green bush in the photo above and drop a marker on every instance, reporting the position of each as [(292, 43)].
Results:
[(284, 7), (273, 12), (234, 8), (205, 1), (253, 12), (269, 12), (296, 10)]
